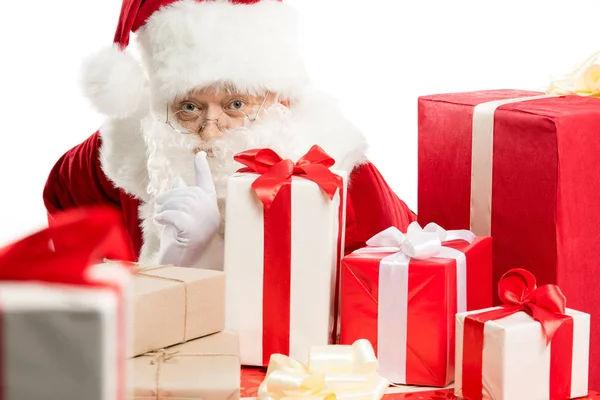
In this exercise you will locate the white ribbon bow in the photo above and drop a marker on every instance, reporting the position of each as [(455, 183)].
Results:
[(417, 243)]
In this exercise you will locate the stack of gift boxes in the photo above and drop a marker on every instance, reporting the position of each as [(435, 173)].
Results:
[(473, 294), (76, 325), (180, 347)]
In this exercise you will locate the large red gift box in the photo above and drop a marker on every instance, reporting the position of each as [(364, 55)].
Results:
[(407, 309), (521, 167)]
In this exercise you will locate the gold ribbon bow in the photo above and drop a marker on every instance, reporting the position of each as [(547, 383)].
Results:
[(583, 81), (333, 372)]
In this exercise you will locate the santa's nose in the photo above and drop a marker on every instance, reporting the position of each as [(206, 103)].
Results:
[(211, 130)]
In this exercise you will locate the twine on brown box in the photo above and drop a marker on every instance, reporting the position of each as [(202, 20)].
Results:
[(144, 271), (163, 356)]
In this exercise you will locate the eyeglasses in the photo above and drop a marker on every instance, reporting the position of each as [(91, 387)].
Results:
[(193, 122)]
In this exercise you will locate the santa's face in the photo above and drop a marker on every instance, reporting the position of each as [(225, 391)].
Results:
[(213, 112), (220, 122)]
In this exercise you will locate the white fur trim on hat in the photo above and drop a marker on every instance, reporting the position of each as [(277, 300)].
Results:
[(115, 82), (190, 44)]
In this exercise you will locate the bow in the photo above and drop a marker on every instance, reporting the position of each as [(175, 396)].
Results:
[(333, 372), (275, 171), (583, 81), (63, 252), (419, 243), (161, 356), (518, 292)]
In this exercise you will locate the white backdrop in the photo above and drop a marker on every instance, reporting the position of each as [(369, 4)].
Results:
[(376, 56)]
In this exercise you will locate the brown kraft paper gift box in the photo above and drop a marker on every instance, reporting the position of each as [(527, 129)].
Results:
[(207, 368), (173, 305)]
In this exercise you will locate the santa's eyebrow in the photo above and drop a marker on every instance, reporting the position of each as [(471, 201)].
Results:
[(190, 98)]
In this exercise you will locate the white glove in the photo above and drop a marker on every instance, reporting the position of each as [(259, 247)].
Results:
[(190, 216)]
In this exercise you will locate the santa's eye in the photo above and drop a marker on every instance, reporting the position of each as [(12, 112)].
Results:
[(236, 105), (189, 107)]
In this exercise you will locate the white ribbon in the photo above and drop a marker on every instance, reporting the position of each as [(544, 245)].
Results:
[(419, 244), (482, 162)]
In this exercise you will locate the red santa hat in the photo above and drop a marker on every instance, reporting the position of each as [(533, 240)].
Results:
[(185, 44)]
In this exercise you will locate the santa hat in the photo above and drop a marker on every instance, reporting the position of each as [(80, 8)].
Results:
[(186, 44)]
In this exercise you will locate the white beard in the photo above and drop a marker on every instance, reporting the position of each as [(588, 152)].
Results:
[(271, 131), (171, 157)]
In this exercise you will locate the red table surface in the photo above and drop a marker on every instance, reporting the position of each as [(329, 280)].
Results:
[(448, 394), (252, 377)]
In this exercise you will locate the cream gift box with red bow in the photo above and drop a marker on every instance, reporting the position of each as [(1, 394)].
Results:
[(402, 293), (530, 348), (283, 244)]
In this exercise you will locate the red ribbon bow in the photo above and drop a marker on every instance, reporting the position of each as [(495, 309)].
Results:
[(546, 304), (275, 171), (63, 252)]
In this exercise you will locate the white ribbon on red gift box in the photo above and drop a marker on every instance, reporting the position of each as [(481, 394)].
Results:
[(482, 161), (420, 244)]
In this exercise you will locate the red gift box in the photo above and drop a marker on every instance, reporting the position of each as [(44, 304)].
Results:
[(531, 184), (404, 302)]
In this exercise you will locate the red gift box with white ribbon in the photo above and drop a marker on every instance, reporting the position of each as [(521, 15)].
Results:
[(402, 293), (521, 167)]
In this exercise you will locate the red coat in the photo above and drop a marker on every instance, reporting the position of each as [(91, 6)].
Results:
[(77, 179)]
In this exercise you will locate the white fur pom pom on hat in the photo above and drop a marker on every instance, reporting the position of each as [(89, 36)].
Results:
[(115, 82)]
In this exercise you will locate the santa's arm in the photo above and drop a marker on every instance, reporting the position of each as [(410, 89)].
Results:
[(372, 207), (77, 180)]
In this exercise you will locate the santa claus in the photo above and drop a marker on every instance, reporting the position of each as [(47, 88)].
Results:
[(215, 78)]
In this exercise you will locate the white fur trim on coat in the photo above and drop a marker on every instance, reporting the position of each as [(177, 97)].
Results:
[(123, 156), (190, 44), (316, 118)]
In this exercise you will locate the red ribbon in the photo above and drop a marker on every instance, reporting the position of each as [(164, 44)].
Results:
[(273, 188), (546, 304), (63, 252), (276, 172)]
